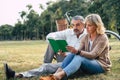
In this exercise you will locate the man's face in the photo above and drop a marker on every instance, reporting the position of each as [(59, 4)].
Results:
[(77, 26)]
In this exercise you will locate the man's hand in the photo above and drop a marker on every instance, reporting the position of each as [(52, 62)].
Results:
[(61, 53)]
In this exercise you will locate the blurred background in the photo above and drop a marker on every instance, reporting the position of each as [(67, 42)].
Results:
[(36, 20)]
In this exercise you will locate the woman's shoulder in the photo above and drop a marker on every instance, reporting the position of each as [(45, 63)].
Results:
[(103, 37), (85, 37)]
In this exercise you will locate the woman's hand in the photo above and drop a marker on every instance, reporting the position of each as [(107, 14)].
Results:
[(71, 49)]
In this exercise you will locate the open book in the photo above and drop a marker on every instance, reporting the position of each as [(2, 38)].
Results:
[(58, 45)]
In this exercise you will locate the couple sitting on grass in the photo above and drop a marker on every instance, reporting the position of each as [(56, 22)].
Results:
[(88, 51)]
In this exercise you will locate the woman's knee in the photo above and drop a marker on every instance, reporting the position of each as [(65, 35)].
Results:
[(70, 55), (80, 58), (67, 60)]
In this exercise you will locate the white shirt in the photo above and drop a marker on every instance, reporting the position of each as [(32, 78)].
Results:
[(90, 44), (67, 35)]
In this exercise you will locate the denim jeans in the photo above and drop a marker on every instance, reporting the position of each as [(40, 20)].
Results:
[(73, 63), (48, 68)]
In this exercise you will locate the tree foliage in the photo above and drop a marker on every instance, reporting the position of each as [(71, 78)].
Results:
[(36, 26)]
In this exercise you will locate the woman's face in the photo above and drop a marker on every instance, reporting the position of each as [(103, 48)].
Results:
[(91, 28)]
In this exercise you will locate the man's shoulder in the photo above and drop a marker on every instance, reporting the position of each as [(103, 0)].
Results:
[(85, 31), (69, 31)]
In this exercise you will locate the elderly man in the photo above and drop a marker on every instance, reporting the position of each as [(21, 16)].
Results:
[(72, 36), (62, 24)]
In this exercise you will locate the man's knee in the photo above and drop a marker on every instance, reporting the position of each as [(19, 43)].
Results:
[(50, 68)]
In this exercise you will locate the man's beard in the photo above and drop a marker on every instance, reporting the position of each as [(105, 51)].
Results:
[(76, 31)]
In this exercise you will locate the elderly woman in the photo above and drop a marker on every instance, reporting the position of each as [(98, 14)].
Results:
[(93, 54)]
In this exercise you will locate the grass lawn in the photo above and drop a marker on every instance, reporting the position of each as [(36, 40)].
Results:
[(26, 55)]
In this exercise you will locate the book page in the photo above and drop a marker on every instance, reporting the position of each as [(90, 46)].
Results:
[(62, 45), (58, 45), (54, 45)]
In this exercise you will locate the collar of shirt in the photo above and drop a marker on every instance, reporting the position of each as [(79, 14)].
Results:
[(81, 35)]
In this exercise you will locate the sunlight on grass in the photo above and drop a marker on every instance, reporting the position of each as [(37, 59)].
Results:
[(26, 55), (21, 55)]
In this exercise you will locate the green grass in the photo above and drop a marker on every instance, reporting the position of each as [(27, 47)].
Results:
[(26, 55)]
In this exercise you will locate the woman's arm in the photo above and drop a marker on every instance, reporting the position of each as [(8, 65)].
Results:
[(99, 47)]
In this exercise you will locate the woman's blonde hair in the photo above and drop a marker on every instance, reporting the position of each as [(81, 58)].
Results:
[(97, 21)]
